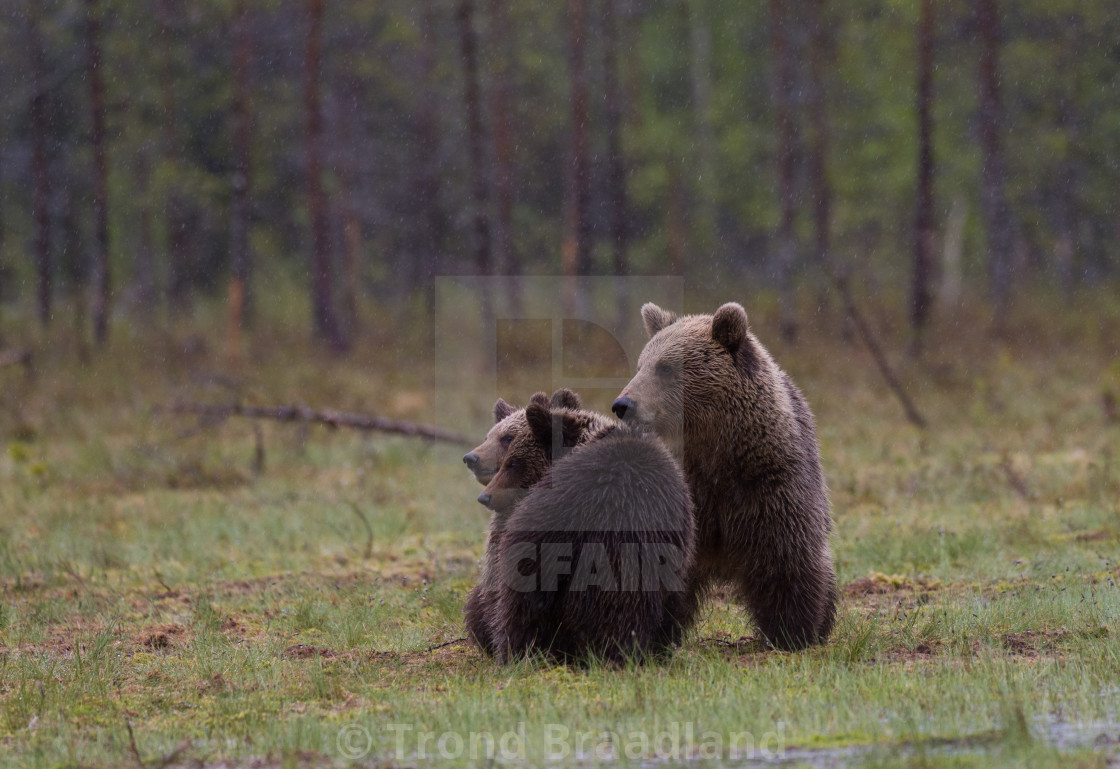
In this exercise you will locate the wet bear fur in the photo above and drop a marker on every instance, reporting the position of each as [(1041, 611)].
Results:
[(511, 433), (509, 422), (616, 509), (748, 445)]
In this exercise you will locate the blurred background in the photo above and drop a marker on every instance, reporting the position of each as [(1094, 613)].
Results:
[(189, 168)]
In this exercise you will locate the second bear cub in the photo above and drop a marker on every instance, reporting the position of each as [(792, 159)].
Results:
[(511, 434), (592, 560), (509, 422)]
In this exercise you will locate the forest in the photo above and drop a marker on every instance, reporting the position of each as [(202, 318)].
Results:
[(156, 152)]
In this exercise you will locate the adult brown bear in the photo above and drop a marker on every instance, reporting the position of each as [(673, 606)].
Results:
[(746, 438)]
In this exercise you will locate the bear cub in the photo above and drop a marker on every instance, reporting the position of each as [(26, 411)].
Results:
[(511, 432), (509, 422), (591, 544)]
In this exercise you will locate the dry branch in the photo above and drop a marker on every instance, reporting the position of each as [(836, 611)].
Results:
[(212, 413), (881, 360), (133, 751), (445, 644), (841, 284), (369, 529), (1018, 483)]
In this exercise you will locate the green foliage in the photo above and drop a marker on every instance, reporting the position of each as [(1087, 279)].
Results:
[(1059, 68)]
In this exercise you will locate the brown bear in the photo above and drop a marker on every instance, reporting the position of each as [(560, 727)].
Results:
[(746, 438), (512, 433), (593, 561), (509, 422)]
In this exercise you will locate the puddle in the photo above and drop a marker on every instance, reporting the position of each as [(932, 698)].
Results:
[(1094, 734), (1049, 731)]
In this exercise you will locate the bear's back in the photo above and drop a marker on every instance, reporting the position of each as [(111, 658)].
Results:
[(625, 480)]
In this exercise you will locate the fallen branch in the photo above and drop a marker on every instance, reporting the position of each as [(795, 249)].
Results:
[(1018, 484), (369, 529), (214, 414), (173, 756), (445, 644), (741, 641), (840, 282), (881, 360), (132, 750)]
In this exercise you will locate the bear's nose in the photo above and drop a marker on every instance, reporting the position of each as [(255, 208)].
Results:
[(624, 407), (470, 460), (484, 498)]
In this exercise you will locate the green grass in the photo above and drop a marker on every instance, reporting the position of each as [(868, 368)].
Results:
[(151, 579)]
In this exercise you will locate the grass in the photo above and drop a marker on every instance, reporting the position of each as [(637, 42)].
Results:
[(154, 583)]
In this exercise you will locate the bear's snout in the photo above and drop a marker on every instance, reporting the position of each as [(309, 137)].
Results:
[(624, 408), (471, 461), (484, 499)]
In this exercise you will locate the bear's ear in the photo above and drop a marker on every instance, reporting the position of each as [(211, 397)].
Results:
[(571, 429), (729, 326), (543, 424), (655, 318), (540, 423), (565, 399), (541, 399), (502, 410)]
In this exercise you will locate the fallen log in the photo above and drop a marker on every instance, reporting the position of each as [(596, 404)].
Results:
[(216, 413)]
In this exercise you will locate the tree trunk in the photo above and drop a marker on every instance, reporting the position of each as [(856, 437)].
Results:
[(325, 323), (100, 261), (178, 272), (352, 263), (40, 171), (3, 234), (700, 44), (351, 221), (952, 278), (783, 114), (502, 60), (925, 235), (616, 161), (994, 207), (242, 214), (576, 245), (820, 46), (676, 235), (144, 267), (476, 152), (432, 227), (1065, 200)]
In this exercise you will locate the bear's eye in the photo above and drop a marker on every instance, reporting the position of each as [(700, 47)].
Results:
[(665, 370), (506, 440), (513, 464)]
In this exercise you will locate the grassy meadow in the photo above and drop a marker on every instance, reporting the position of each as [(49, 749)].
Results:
[(236, 595)]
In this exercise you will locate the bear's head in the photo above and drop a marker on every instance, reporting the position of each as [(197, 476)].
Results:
[(509, 422), (551, 433), (690, 364)]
